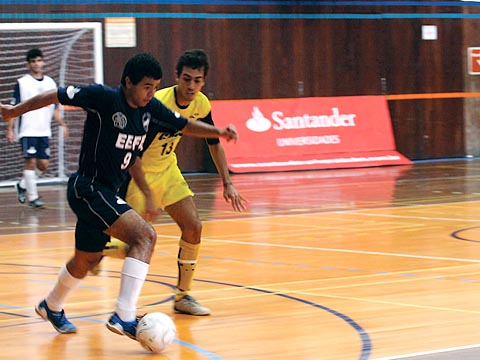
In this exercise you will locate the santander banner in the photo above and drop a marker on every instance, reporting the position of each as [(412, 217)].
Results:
[(308, 133)]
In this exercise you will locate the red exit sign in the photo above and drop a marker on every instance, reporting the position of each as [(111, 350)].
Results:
[(474, 60)]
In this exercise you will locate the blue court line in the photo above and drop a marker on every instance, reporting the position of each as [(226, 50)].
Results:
[(236, 16), (199, 350), (242, 2), (364, 337), (90, 318), (456, 234), (11, 313)]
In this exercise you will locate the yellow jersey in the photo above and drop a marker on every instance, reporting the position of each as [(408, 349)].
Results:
[(161, 152)]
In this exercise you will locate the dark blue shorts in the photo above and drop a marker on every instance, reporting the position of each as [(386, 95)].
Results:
[(97, 207), (35, 147)]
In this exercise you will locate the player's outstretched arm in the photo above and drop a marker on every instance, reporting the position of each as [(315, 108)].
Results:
[(201, 129), (9, 112), (230, 193)]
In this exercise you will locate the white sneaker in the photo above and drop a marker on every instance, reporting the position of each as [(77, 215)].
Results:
[(37, 204), (188, 305)]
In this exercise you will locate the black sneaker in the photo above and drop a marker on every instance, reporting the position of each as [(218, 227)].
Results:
[(37, 204), (21, 193)]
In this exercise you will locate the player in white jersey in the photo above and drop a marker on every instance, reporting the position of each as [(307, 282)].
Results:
[(34, 128)]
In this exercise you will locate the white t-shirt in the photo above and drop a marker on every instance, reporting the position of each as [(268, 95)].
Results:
[(35, 123)]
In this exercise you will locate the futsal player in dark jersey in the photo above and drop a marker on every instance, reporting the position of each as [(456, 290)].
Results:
[(118, 121), (159, 184)]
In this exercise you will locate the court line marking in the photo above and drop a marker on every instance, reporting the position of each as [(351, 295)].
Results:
[(432, 352), (312, 281), (400, 304), (69, 228), (273, 289), (269, 290), (364, 336), (416, 217), (356, 212), (175, 237), (380, 253), (260, 216), (267, 287), (385, 282), (198, 349), (350, 251)]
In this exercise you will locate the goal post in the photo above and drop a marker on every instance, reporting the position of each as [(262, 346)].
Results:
[(73, 54)]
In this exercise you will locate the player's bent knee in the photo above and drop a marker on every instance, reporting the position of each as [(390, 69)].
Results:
[(151, 237), (147, 238), (192, 231), (192, 224)]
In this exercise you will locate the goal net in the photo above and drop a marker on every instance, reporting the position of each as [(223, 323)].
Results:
[(73, 55)]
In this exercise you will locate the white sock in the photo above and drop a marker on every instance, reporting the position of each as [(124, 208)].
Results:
[(134, 273), (30, 184), (66, 283)]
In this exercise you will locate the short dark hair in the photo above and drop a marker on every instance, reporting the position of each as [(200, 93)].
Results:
[(195, 59), (33, 53), (140, 66)]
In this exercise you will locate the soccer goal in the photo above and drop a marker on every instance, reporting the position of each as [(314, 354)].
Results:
[(73, 54)]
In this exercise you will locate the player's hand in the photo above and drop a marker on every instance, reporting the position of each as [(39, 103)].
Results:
[(65, 131), (150, 212), (9, 136), (231, 195), (231, 133)]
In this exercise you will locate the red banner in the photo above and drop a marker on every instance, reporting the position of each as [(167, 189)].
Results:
[(308, 133)]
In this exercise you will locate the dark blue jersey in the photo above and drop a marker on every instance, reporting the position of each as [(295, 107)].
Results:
[(114, 133)]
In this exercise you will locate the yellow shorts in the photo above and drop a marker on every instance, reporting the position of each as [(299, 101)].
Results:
[(167, 187)]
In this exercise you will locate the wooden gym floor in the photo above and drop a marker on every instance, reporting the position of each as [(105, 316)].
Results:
[(370, 263)]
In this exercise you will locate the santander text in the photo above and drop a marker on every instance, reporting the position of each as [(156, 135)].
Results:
[(312, 121)]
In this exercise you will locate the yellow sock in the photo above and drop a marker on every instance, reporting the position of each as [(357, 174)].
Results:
[(186, 260)]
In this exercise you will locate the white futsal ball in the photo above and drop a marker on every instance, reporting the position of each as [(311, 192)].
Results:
[(155, 331)]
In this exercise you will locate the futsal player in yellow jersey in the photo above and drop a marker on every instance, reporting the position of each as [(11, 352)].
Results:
[(157, 182)]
